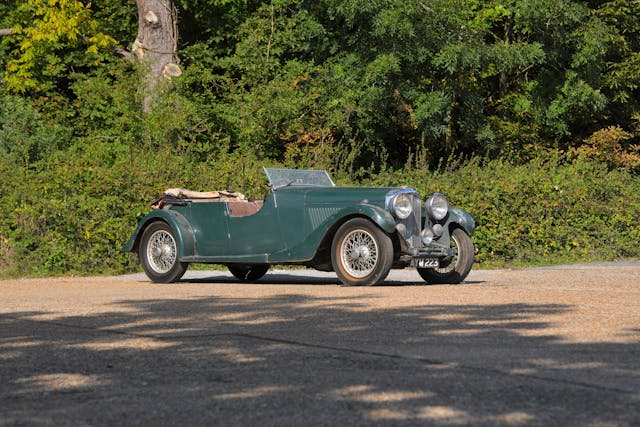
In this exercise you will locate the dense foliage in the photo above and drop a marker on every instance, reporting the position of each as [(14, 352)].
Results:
[(545, 92)]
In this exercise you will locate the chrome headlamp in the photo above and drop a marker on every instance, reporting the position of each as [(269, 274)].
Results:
[(437, 206), (402, 206)]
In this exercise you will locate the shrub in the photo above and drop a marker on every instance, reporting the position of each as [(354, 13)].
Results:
[(611, 146)]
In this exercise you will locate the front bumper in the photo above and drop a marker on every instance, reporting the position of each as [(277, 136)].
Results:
[(434, 250)]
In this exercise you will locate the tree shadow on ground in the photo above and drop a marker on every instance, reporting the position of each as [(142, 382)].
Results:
[(297, 359)]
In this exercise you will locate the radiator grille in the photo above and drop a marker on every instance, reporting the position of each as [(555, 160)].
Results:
[(413, 223)]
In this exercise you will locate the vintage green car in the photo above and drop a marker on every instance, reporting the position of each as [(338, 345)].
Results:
[(360, 233)]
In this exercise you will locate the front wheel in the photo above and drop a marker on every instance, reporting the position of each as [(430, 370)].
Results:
[(361, 253), (247, 272), (158, 252), (455, 269)]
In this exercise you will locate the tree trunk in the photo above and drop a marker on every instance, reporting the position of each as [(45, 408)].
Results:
[(156, 46)]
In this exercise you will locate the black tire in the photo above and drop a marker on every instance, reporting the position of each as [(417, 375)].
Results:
[(453, 270), (248, 272), (159, 254), (361, 253)]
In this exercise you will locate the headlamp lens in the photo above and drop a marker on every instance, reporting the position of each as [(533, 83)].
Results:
[(402, 206), (437, 206)]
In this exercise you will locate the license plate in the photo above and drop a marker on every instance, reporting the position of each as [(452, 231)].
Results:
[(428, 263)]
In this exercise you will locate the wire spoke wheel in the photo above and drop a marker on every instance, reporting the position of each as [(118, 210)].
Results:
[(248, 272), (159, 254), (161, 251), (359, 253), (449, 264)]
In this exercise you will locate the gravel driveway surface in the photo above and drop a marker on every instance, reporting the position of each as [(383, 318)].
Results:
[(554, 346)]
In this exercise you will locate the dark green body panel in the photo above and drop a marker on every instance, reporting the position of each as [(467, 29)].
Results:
[(201, 216), (254, 237), (463, 219)]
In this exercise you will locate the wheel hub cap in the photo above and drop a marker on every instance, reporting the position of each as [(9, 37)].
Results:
[(361, 253)]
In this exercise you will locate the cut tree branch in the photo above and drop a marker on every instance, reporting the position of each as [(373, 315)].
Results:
[(124, 54), (6, 31)]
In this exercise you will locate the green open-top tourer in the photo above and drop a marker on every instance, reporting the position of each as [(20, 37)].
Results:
[(305, 219)]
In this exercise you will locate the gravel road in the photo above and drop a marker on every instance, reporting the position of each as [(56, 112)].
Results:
[(551, 346)]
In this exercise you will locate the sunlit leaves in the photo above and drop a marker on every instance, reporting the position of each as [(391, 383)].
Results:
[(43, 31), (380, 79)]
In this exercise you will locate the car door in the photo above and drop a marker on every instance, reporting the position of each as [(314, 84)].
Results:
[(210, 227), (293, 224), (255, 235)]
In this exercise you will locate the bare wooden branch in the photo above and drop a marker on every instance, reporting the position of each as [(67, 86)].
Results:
[(123, 53), (6, 31), (171, 70)]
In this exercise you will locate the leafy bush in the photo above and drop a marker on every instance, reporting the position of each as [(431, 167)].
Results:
[(611, 146), (24, 136)]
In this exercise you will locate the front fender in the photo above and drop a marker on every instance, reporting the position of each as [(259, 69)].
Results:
[(329, 219), (184, 233), (462, 218), (378, 215)]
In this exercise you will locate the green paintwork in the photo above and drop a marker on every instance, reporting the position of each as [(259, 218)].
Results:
[(289, 228), (177, 221), (462, 218)]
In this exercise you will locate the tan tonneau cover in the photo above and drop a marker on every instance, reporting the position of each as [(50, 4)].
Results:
[(223, 196)]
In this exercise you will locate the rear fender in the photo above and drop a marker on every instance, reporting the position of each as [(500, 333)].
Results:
[(184, 233)]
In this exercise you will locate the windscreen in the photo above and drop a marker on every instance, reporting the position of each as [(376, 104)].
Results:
[(279, 178)]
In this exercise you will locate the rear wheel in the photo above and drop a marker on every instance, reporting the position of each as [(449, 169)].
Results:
[(248, 272), (455, 269), (159, 256), (361, 253)]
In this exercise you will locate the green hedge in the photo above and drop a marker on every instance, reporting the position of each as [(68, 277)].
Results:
[(74, 211)]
